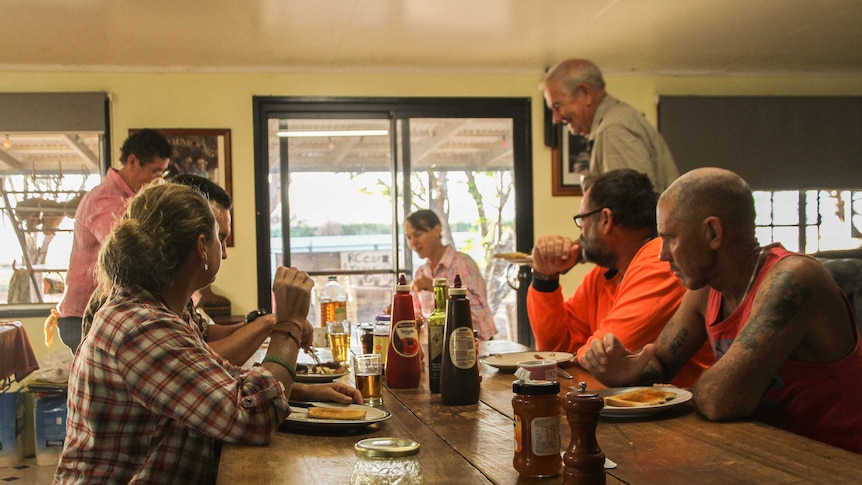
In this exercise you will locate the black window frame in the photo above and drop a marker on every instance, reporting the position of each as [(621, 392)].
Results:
[(518, 109)]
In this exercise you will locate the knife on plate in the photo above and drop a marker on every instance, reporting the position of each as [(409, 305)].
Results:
[(300, 404), (306, 404)]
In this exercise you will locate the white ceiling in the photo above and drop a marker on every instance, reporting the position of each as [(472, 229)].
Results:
[(502, 36), (661, 36)]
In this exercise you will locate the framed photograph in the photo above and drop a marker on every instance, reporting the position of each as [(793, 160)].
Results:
[(570, 159), (204, 152)]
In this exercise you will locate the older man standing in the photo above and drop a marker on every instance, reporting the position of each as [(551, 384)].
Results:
[(785, 339), (144, 157), (621, 137)]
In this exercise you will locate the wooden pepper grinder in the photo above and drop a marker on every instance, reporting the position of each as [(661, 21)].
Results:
[(583, 460)]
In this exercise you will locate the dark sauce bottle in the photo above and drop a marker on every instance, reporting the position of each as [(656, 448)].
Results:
[(459, 372)]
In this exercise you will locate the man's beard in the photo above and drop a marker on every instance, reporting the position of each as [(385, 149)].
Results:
[(597, 253)]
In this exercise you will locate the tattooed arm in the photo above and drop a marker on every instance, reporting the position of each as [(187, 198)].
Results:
[(796, 313), (614, 365), (681, 339)]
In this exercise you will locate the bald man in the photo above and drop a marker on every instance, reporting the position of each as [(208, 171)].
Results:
[(621, 137), (784, 336)]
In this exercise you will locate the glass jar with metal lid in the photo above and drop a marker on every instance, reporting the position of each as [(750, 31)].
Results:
[(536, 407), (383, 461)]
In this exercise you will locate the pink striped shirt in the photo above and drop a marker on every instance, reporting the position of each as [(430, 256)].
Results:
[(96, 214), (450, 264)]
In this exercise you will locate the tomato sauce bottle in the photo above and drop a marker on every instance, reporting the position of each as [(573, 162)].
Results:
[(403, 362)]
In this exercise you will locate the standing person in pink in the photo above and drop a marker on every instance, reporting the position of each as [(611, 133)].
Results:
[(423, 232), (144, 158), (785, 339)]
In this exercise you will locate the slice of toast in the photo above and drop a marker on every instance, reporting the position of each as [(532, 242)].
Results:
[(347, 414), (640, 397)]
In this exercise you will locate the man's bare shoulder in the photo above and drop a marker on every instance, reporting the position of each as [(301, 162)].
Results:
[(804, 269)]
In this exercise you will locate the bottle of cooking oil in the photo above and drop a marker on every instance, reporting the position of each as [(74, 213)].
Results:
[(333, 302)]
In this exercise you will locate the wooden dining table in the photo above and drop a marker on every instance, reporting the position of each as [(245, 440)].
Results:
[(475, 444)]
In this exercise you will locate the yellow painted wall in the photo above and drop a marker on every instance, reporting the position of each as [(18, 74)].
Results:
[(224, 100)]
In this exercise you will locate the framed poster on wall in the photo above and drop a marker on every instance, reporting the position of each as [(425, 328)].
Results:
[(205, 152), (570, 160)]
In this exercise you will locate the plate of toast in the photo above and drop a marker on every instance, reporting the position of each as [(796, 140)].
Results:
[(329, 416), (641, 400)]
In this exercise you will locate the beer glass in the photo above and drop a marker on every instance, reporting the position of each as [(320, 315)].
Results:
[(339, 339), (367, 369)]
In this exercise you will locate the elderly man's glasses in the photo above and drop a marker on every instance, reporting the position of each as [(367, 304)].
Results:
[(578, 218)]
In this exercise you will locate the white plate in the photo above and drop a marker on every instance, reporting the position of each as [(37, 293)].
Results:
[(299, 419), (509, 362), (313, 378), (682, 396)]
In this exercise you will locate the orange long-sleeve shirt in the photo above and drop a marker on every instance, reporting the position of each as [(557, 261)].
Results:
[(634, 308)]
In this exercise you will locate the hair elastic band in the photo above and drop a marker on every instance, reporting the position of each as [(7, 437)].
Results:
[(278, 360)]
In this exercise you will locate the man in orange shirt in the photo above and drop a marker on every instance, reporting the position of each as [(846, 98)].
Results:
[(630, 292)]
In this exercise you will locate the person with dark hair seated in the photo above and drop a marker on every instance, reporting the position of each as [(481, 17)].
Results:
[(235, 342)]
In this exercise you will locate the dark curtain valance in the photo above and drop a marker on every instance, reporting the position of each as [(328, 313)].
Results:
[(775, 143), (53, 112)]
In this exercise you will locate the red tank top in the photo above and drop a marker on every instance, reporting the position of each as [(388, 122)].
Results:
[(817, 400)]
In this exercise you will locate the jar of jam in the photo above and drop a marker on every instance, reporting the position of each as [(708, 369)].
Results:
[(537, 428), (387, 461)]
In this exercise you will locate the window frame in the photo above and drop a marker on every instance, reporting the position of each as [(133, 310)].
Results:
[(518, 109), (804, 224)]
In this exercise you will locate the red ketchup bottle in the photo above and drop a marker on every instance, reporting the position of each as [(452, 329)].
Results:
[(403, 363)]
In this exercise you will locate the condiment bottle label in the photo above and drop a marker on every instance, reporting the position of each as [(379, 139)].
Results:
[(406, 342), (518, 437), (435, 337), (462, 351), (545, 435), (340, 313)]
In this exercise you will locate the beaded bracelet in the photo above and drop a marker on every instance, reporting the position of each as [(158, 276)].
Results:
[(278, 360), (289, 334)]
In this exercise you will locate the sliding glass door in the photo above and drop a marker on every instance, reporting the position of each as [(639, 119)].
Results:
[(339, 178)]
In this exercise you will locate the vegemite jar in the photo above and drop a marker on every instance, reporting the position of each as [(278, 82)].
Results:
[(386, 461), (537, 428)]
